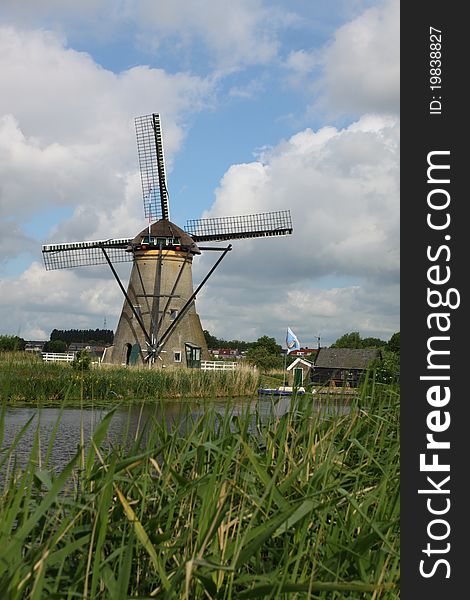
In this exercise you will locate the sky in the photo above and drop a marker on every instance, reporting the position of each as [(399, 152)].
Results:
[(265, 106)]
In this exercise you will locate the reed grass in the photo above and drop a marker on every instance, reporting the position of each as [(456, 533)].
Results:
[(303, 506), (26, 379)]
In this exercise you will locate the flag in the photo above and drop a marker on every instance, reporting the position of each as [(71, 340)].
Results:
[(292, 342)]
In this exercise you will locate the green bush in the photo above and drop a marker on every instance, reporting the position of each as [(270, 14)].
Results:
[(82, 361), (387, 370), (11, 343)]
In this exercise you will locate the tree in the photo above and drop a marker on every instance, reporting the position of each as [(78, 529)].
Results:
[(348, 340), (265, 353), (215, 343), (9, 343), (394, 343), (211, 341), (269, 344), (55, 346), (354, 340), (372, 342), (97, 336), (262, 359)]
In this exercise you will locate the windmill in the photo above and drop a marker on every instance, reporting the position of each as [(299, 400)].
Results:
[(159, 325)]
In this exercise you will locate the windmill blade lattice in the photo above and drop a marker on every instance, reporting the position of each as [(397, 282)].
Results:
[(239, 227), (152, 167), (84, 254)]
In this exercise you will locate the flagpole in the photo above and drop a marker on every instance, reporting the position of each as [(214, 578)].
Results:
[(285, 363), (285, 367), (292, 343)]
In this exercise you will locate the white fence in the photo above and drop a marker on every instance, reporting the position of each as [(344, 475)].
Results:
[(58, 356), (218, 365), (206, 365)]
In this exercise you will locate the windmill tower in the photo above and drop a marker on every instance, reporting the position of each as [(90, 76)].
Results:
[(159, 325)]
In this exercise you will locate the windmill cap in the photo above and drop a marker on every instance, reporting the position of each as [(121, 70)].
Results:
[(165, 229)]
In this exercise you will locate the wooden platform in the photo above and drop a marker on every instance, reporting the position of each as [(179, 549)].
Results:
[(338, 391)]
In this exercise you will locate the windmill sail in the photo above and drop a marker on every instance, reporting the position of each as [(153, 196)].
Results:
[(242, 226), (83, 254), (152, 167)]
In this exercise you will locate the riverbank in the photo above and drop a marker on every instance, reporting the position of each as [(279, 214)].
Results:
[(26, 379), (302, 506)]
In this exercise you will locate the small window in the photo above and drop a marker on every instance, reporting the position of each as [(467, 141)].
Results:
[(138, 310), (177, 356), (173, 314)]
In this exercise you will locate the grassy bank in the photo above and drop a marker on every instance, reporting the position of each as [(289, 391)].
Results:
[(298, 507), (25, 379)]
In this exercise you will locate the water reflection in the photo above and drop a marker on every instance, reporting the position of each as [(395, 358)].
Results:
[(62, 429)]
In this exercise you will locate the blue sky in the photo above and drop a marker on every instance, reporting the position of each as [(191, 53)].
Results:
[(264, 106)]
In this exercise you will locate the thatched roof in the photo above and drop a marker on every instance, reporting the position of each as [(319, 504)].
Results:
[(346, 358)]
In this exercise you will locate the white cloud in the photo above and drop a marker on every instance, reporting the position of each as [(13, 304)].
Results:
[(237, 33), (301, 66), (358, 71), (233, 34), (249, 311), (66, 132), (301, 62), (67, 143), (38, 301), (362, 65), (61, 95), (342, 188)]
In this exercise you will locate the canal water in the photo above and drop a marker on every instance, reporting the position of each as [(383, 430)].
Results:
[(65, 426)]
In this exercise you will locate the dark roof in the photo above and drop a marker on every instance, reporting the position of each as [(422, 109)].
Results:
[(346, 358), (164, 228)]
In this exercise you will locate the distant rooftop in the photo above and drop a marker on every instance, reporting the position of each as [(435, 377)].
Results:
[(346, 358)]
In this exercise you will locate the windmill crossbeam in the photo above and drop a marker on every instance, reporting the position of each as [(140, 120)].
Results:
[(110, 243), (211, 248), (239, 236), (82, 254)]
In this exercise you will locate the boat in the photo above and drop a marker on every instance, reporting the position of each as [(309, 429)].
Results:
[(282, 390)]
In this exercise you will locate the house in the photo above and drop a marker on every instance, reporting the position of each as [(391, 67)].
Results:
[(301, 371), (303, 351), (34, 346), (96, 351), (77, 346), (226, 353), (343, 366)]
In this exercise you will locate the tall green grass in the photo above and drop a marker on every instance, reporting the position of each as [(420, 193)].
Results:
[(26, 379), (220, 506)]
